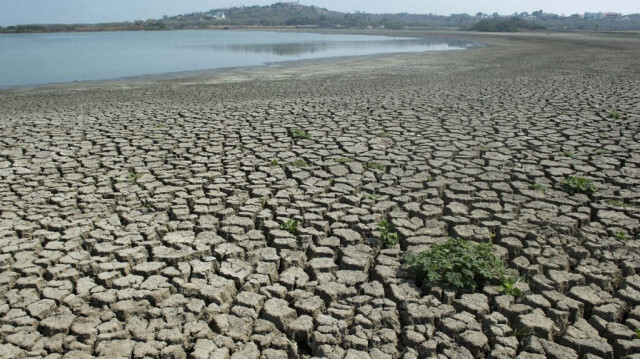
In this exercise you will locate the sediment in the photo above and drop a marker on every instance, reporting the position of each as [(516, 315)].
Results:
[(142, 218)]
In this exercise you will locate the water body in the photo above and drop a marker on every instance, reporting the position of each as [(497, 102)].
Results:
[(36, 59)]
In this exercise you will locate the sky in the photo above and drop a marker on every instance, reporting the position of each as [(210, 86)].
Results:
[(14, 12)]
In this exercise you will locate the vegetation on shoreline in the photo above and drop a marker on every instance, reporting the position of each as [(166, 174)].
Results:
[(513, 24), (296, 15)]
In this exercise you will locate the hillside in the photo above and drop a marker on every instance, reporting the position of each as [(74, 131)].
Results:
[(293, 14)]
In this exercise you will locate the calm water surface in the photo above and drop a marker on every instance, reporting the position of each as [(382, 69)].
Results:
[(35, 59)]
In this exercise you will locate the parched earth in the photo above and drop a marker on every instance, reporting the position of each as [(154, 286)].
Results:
[(141, 219)]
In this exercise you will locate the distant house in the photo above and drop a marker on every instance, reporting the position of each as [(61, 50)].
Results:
[(612, 15), (593, 16), (217, 15)]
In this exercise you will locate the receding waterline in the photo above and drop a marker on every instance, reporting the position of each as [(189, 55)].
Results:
[(38, 59)]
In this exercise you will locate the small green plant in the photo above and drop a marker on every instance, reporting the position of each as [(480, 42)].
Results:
[(297, 133), (603, 152), (615, 202), (372, 196), (263, 201), (290, 226), (331, 182), (383, 134), (568, 154), (521, 332), (344, 160), (619, 203), (578, 185), (161, 125), (275, 163), (299, 163), (509, 286), (134, 177), (458, 262), (388, 234), (614, 114), (431, 179), (538, 187), (638, 333), (493, 235), (620, 235), (375, 166), (604, 134)]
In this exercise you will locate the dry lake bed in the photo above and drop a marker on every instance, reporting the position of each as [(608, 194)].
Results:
[(142, 218)]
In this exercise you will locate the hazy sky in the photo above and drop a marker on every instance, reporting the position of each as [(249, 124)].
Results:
[(14, 12)]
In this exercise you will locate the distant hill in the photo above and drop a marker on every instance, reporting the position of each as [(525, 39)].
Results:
[(294, 14)]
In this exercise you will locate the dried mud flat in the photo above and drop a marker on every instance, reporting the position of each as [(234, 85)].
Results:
[(141, 219)]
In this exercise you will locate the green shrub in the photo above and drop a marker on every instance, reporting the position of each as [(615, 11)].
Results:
[(461, 263), (578, 185)]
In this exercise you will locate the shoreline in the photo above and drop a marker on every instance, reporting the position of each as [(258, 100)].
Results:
[(197, 73), (484, 40)]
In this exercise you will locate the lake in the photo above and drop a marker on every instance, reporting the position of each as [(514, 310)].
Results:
[(37, 59)]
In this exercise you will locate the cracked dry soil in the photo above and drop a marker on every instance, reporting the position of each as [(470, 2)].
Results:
[(141, 218)]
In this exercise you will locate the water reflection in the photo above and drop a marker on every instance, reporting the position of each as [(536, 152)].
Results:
[(378, 46)]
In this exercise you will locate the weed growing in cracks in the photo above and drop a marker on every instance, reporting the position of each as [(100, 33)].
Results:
[(578, 185), (509, 286), (458, 262), (388, 234), (343, 160), (620, 235), (134, 177), (538, 187), (375, 166), (290, 226), (299, 163), (297, 133)]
